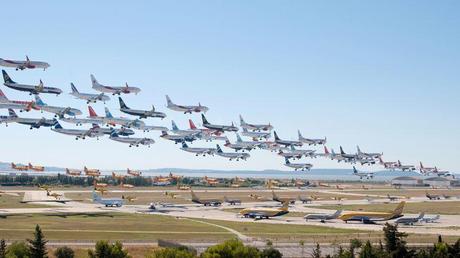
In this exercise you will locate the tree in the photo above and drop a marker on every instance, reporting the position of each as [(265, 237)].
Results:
[(271, 253), (64, 252), (316, 251), (17, 250), (231, 248), (395, 243), (302, 245), (2, 248), (37, 246), (171, 253), (367, 251), (105, 250)]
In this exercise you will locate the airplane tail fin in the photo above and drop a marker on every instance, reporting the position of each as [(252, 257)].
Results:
[(174, 126), (326, 151), (74, 89), (299, 134), (285, 206), (57, 126), (421, 215), (91, 111), (358, 149), (168, 100), (292, 148), (276, 136), (192, 125), (3, 97), (219, 150), (94, 82), (242, 121), (122, 103), (113, 133), (6, 77), (355, 171), (286, 160), (39, 101), (238, 138), (337, 214), (107, 113), (205, 121), (11, 113), (341, 150), (399, 209), (194, 197), (184, 145)]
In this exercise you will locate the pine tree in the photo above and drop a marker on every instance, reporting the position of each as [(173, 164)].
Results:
[(316, 251), (37, 246), (2, 248)]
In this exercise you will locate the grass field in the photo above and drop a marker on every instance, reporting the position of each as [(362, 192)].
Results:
[(10, 202)]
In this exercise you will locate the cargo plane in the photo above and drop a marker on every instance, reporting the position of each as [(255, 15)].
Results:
[(265, 213)]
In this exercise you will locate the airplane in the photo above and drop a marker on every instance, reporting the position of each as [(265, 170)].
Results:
[(231, 156), (392, 198), (205, 202), (220, 128), (273, 147), (432, 196), (198, 151), (405, 167), (177, 138), (441, 172), (255, 197), (172, 195), (298, 154), (176, 130), (389, 164), (22, 65), (20, 168), (36, 168), (232, 201), (141, 113), (276, 198), (112, 202), (255, 127), (132, 141), (210, 181), (111, 120), (410, 221), (32, 122), (370, 155), (57, 111), (123, 131), (128, 186), (15, 104), (335, 156), (366, 161), (241, 145), (32, 89), (185, 109), (80, 121), (118, 177), (133, 172), (286, 142), (129, 198), (115, 90), (424, 170), (368, 175), (99, 185), (203, 131), (89, 97), (372, 217), (211, 137), (78, 133), (322, 217), (92, 172), (311, 141), (296, 166), (256, 135), (348, 157), (430, 219), (265, 213), (72, 172), (305, 199)]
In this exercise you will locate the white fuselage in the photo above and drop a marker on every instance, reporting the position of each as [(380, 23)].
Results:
[(90, 97), (33, 89), (133, 141), (21, 65)]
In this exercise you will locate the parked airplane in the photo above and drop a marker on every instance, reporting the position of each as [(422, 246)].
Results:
[(15, 104), (177, 138), (231, 156), (297, 166), (36, 168), (57, 111), (322, 217), (185, 109), (368, 175), (256, 135), (134, 172), (410, 221), (255, 127), (405, 167), (32, 122), (241, 145), (265, 213), (141, 113), (78, 133), (112, 202), (21, 65), (372, 217), (305, 199), (72, 172), (286, 142), (205, 202), (392, 198), (115, 90), (89, 97), (32, 89), (277, 198), (198, 151), (432, 196), (220, 128), (311, 141), (430, 219), (19, 167), (132, 141), (232, 201)]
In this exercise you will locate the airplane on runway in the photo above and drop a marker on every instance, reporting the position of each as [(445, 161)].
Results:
[(297, 166), (232, 201), (132, 141), (286, 142), (205, 202), (72, 172), (256, 135), (127, 186), (89, 97), (32, 89), (108, 202), (15, 104), (231, 156), (305, 199), (392, 198), (78, 133), (92, 172), (311, 141), (241, 145), (22, 65), (255, 127), (36, 168), (19, 167), (370, 155), (32, 122), (410, 221), (368, 175), (430, 219), (57, 111), (372, 217), (220, 128), (133, 172), (141, 113), (322, 217), (185, 109), (115, 90), (265, 213), (277, 198), (198, 151), (177, 138), (405, 167), (432, 196)]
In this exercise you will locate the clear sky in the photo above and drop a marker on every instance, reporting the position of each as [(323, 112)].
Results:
[(384, 75)]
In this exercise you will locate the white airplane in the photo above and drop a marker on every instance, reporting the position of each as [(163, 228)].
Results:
[(255, 127), (184, 108), (115, 90), (294, 153), (430, 219), (21, 65), (232, 155), (126, 122), (220, 128), (148, 128), (78, 133), (177, 138), (89, 97), (297, 166), (15, 104), (123, 131), (176, 130), (286, 142), (32, 122), (242, 145), (211, 137), (352, 158), (311, 141), (273, 146), (256, 135), (368, 154), (405, 167), (425, 170), (32, 89), (141, 113), (198, 151), (392, 165), (58, 111), (132, 141), (368, 175)]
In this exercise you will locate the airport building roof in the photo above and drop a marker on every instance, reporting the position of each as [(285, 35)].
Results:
[(443, 179), (404, 178)]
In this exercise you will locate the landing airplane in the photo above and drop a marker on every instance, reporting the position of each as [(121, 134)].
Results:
[(368, 175), (92, 119), (265, 213), (125, 122), (72, 172), (139, 125), (36, 168), (389, 164), (255, 127), (89, 97), (185, 109), (231, 156), (132, 141), (32, 89), (372, 217), (19, 167), (256, 135), (322, 217), (311, 141), (15, 104), (286, 142), (78, 133), (297, 166), (241, 145), (115, 90), (277, 198), (273, 146), (32, 122), (352, 158), (426, 170), (211, 137), (141, 113), (57, 111), (372, 155), (92, 171), (405, 167), (294, 153), (198, 151), (232, 201), (432, 196), (123, 131), (203, 131), (220, 128), (22, 65), (441, 172), (205, 202), (133, 172), (335, 156), (177, 138), (176, 130), (410, 221)]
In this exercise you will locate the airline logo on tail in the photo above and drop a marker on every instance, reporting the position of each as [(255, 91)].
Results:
[(91, 111)]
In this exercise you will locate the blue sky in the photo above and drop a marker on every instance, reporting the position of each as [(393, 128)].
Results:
[(383, 75)]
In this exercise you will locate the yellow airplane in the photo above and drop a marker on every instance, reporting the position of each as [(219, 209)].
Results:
[(55, 195), (101, 190), (129, 198), (371, 217), (265, 213), (172, 195)]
